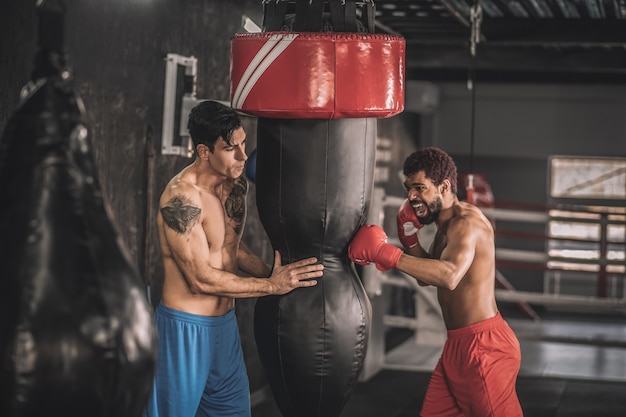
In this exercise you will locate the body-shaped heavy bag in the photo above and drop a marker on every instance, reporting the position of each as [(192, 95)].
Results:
[(314, 182), (76, 335), (317, 78)]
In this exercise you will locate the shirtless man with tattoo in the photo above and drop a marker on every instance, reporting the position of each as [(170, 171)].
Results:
[(200, 366)]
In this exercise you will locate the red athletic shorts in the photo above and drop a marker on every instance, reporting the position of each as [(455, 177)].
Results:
[(476, 374)]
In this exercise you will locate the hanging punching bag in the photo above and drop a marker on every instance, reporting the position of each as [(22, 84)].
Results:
[(314, 182), (76, 331), (317, 96)]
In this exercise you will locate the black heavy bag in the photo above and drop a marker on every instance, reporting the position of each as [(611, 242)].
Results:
[(76, 330), (314, 182), (317, 78)]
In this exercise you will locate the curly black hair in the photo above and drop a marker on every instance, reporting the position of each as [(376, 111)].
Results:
[(436, 164)]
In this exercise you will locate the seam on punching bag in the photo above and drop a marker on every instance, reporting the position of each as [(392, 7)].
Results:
[(282, 228), (280, 351), (361, 347), (364, 203), (280, 297), (325, 216), (367, 182), (321, 256), (281, 219)]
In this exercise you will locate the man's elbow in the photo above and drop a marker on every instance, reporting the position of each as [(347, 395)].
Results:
[(451, 285), (195, 289), (454, 277)]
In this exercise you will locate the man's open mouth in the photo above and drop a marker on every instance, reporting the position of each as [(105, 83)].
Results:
[(420, 209)]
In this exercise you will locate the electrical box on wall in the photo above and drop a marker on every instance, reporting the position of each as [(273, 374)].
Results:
[(179, 98)]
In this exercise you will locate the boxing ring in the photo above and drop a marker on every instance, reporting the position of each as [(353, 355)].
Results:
[(544, 344)]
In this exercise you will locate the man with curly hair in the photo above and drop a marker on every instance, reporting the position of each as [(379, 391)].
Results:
[(477, 371)]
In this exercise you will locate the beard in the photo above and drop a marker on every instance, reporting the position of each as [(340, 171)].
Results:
[(432, 211)]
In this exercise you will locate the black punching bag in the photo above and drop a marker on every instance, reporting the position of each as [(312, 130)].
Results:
[(314, 181), (76, 335), (317, 96)]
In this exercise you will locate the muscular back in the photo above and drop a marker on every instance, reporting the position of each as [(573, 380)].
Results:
[(200, 230), (467, 235)]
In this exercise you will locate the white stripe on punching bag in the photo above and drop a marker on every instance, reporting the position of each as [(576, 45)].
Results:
[(272, 49)]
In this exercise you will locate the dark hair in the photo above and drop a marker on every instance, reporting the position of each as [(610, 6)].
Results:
[(210, 120), (436, 164)]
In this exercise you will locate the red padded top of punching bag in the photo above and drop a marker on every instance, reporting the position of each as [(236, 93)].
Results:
[(297, 75)]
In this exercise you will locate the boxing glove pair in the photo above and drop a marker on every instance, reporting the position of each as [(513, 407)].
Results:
[(370, 242)]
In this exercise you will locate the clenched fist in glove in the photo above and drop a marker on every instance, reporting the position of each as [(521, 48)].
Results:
[(370, 246), (408, 225)]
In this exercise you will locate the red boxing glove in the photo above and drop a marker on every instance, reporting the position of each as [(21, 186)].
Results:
[(370, 245), (408, 225)]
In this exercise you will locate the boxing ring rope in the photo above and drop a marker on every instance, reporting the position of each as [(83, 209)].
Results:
[(603, 267)]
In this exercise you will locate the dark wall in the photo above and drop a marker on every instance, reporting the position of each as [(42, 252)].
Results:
[(519, 127), (117, 50)]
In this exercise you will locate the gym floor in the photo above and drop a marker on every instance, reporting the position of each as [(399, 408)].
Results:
[(572, 366)]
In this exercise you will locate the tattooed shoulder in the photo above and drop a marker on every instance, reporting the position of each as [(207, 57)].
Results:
[(235, 204), (179, 214), (241, 184)]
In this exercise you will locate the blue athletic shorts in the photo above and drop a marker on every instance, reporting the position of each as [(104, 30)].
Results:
[(200, 367)]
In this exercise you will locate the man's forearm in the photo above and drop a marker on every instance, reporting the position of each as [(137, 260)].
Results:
[(251, 264)]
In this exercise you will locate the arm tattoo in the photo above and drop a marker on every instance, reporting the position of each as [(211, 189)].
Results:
[(179, 215), (235, 204)]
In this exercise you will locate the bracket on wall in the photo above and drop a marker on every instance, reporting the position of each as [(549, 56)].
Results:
[(179, 98)]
